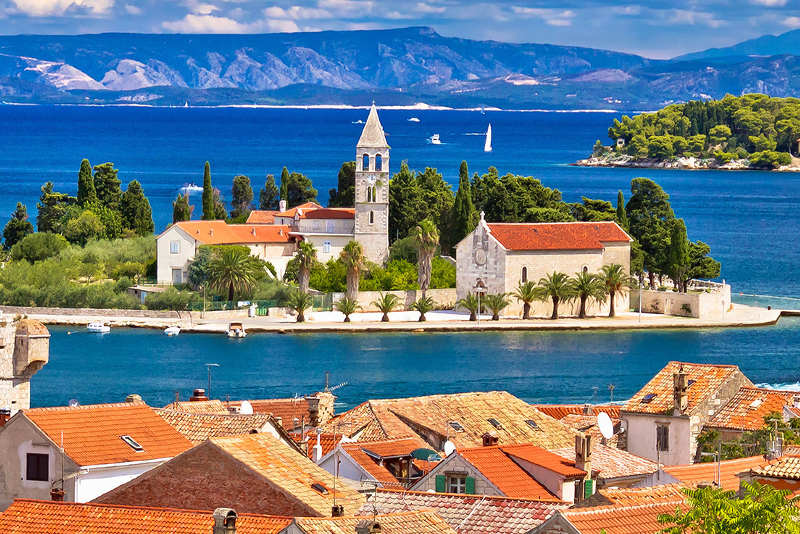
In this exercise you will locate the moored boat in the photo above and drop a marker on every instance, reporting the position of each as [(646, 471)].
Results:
[(98, 327), (236, 329), (172, 330)]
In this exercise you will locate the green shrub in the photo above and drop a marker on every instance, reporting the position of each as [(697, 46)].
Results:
[(171, 299), (769, 159), (38, 246)]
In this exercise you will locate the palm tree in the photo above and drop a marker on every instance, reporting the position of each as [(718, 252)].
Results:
[(347, 306), (587, 286), (615, 282), (306, 258), (496, 303), (234, 270), (385, 304), (300, 302), (426, 239), (554, 286), (353, 258), (526, 293), (470, 303), (423, 306)]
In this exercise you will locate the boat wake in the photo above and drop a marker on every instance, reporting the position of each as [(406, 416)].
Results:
[(788, 386)]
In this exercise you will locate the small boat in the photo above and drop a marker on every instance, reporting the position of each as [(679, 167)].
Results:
[(191, 188), (172, 330), (236, 329), (413, 119), (98, 327), (186, 104), (434, 140), (359, 121), (488, 146)]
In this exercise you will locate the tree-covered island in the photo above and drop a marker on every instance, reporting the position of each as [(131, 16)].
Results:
[(753, 131)]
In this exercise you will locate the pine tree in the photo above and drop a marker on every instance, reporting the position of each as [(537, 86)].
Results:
[(209, 213), (269, 196), (622, 218), (241, 197), (52, 206), (285, 184), (299, 190), (86, 190), (344, 196), (107, 186), (135, 210), (181, 210), (220, 213), (463, 209), (17, 227)]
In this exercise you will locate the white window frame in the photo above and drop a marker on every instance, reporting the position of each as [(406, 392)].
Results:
[(326, 247), (456, 484), (174, 247), (316, 225)]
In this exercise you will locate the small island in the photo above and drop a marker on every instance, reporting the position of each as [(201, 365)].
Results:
[(751, 132)]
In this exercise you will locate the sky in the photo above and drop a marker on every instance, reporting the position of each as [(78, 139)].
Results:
[(654, 29)]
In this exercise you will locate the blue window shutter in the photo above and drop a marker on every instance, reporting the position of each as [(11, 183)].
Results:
[(440, 484), (470, 486)]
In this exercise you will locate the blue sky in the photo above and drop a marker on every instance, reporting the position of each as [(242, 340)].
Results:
[(653, 29)]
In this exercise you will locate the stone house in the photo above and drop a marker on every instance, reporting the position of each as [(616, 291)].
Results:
[(83, 451), (380, 463), (748, 409), (503, 255)]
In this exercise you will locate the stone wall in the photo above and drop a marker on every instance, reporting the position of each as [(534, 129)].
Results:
[(443, 298), (699, 305), (93, 312)]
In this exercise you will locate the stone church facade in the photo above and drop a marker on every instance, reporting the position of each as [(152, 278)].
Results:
[(501, 255)]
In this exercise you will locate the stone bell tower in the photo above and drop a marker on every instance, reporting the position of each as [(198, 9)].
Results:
[(372, 190), (24, 349)]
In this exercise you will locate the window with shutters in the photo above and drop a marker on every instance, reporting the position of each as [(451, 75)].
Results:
[(326, 247), (662, 438), (174, 247), (456, 484), (38, 467)]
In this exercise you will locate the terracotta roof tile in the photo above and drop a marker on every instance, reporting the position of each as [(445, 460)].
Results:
[(92, 433), (786, 467), (707, 472), (262, 217), (45, 517), (286, 409), (748, 408), (641, 519), (306, 206), (330, 213), (612, 462), (587, 424), (418, 522), (199, 427), (327, 442), (505, 474), (394, 448), (289, 470), (557, 236), (624, 497), (222, 233), (549, 460), (475, 514), (560, 411), (370, 465), (209, 406), (705, 380)]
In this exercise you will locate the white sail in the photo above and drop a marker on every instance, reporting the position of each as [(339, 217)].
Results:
[(488, 146)]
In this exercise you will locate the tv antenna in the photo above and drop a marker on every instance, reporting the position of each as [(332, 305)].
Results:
[(73, 403), (611, 389)]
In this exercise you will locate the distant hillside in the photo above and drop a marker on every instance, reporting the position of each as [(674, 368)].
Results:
[(766, 45)]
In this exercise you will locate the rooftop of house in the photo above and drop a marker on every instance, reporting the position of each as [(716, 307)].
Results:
[(463, 418), (612, 463), (557, 236), (705, 380), (27, 516), (694, 474), (287, 410), (326, 441), (309, 210), (291, 212), (587, 424), (330, 213), (208, 406), (262, 217), (373, 136), (785, 467), (749, 407), (294, 473), (636, 519), (416, 522), (101, 434), (222, 233), (477, 514), (198, 427), (560, 411), (372, 456), (374, 467)]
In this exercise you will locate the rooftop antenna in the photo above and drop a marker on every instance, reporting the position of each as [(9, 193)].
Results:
[(73, 403), (611, 388), (327, 379), (210, 365), (594, 395)]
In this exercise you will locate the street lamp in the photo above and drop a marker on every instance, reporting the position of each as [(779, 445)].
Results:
[(210, 365), (480, 288)]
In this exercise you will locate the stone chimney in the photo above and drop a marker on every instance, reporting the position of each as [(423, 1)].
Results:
[(133, 398), (57, 495), (337, 511), (490, 438), (368, 526), (320, 408), (282, 206), (224, 521), (588, 410), (680, 381), (583, 461), (198, 394)]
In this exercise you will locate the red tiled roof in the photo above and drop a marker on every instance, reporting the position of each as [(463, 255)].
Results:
[(370, 465), (418, 522), (557, 236), (706, 381), (625, 497), (330, 213), (588, 425), (505, 474), (262, 217), (222, 233), (560, 411), (209, 406), (394, 448), (475, 514), (785, 467), (286, 409), (748, 408), (640, 519), (707, 472), (26, 516), (326, 441), (198, 427), (92, 433), (307, 206), (612, 462), (538, 456)]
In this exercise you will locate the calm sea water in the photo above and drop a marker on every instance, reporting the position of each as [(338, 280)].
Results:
[(750, 219)]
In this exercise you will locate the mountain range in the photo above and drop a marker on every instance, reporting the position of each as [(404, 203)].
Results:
[(396, 67)]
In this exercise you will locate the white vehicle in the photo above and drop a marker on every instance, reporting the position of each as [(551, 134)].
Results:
[(236, 329), (172, 330), (434, 140), (98, 327)]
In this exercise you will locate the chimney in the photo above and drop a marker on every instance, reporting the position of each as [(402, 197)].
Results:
[(5, 415), (320, 408), (224, 521), (368, 526), (316, 451), (254, 230), (57, 495), (490, 438), (198, 394), (282, 206), (337, 511), (588, 410), (211, 231), (680, 382), (279, 420), (133, 398), (583, 461)]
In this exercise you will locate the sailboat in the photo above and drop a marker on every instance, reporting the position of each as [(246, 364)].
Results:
[(488, 146)]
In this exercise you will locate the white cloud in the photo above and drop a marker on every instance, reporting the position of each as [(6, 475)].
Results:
[(692, 18), (551, 17), (296, 13), (422, 7), (47, 8), (201, 9), (791, 22), (769, 3), (347, 8), (210, 24), (285, 26), (132, 10), (627, 10)]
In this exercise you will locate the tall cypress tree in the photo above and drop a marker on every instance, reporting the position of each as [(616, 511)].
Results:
[(622, 217), (285, 184), (107, 186), (181, 210), (86, 191), (209, 213), (135, 210), (678, 254), (268, 197), (241, 197), (17, 227), (463, 208)]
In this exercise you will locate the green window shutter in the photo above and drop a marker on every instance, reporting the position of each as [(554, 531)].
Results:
[(440, 484), (587, 488), (470, 486)]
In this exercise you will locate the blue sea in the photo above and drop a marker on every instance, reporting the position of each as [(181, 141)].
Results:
[(750, 219)]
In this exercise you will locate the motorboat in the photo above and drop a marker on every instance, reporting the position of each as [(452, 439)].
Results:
[(98, 327), (172, 330), (191, 188), (236, 329), (413, 119), (434, 140)]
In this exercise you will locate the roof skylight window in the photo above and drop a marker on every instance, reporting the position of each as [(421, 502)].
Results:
[(691, 382), (455, 425), (320, 488), (648, 398), (132, 443), (495, 423), (531, 423)]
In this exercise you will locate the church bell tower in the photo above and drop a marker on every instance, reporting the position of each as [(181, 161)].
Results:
[(372, 190)]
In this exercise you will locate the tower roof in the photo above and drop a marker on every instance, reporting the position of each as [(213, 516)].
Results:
[(373, 136)]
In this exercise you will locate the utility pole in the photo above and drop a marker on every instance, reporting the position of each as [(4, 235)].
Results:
[(210, 365)]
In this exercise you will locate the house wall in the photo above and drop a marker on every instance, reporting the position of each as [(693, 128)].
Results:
[(641, 430), (338, 243), (702, 305), (348, 468), (98, 480), (492, 273), (555, 483), (443, 298), (323, 226), (457, 465), (167, 261)]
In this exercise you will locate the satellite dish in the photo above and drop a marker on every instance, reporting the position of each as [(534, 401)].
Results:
[(605, 424), (73, 403), (246, 409), (449, 448)]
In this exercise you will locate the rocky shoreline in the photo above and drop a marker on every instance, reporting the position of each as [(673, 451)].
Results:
[(678, 163)]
